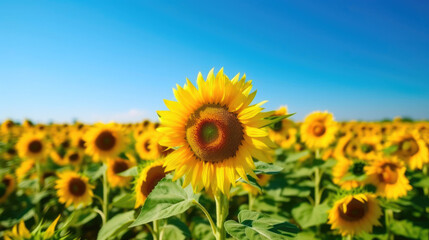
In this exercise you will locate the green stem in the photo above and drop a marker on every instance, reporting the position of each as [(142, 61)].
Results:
[(251, 201), (38, 189), (426, 172), (105, 197), (388, 217), (155, 230), (212, 225), (222, 209), (348, 237)]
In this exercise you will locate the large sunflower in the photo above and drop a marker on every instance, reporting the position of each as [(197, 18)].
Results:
[(216, 132), (318, 130), (74, 189), (388, 175), (147, 180), (116, 166), (32, 146), (7, 185), (354, 214), (410, 148), (104, 141)]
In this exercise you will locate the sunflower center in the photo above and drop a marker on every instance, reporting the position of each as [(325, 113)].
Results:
[(119, 167), (11, 151), (81, 143), (146, 145), (213, 133), (74, 157), (389, 174), (408, 147), (77, 187), (367, 148), (319, 129), (358, 168), (105, 141), (35, 146), (65, 144), (355, 210), (154, 175), (277, 127)]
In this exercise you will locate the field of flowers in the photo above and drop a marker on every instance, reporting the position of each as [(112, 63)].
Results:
[(216, 166)]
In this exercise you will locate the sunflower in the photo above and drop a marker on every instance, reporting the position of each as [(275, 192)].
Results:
[(73, 189), (7, 186), (318, 130), (346, 148), (370, 148), (410, 148), (74, 157), (7, 125), (388, 175), (32, 146), (216, 132), (104, 141), (19, 232), (77, 140), (354, 214), (147, 180), (116, 166), (343, 169), (58, 157), (144, 145)]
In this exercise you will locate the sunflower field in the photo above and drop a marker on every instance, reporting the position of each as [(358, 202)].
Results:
[(217, 165)]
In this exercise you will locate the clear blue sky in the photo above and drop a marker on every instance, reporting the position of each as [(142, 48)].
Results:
[(117, 60)]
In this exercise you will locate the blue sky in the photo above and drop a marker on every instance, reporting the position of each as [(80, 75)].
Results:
[(117, 60)]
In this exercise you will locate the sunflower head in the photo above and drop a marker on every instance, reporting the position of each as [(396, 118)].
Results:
[(116, 166), (411, 148), (32, 146), (388, 175), (343, 171), (318, 130), (216, 132), (104, 141), (147, 180), (354, 214), (74, 189)]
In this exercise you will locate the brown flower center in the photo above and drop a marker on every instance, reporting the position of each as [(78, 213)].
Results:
[(318, 129), (408, 147), (77, 187), (146, 145), (105, 141), (81, 143), (74, 157), (389, 174), (355, 210), (35, 146), (213, 133), (154, 175), (119, 166)]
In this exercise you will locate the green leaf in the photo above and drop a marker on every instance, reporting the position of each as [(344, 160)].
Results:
[(306, 215), (83, 216), (274, 119), (127, 201), (253, 225), (251, 182), (116, 225), (409, 230), (262, 167), (166, 200), (296, 156), (130, 172), (95, 171), (424, 182), (201, 229), (390, 150), (175, 229), (351, 176)]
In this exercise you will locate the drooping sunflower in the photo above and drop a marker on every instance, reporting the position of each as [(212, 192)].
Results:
[(147, 180), (115, 166), (354, 214), (318, 130), (32, 146), (216, 132), (73, 188), (410, 148), (345, 168), (104, 141), (388, 175), (7, 186)]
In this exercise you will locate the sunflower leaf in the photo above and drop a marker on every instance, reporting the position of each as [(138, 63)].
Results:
[(252, 182), (266, 168), (307, 215), (253, 225), (130, 172), (115, 225), (166, 200), (275, 119)]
